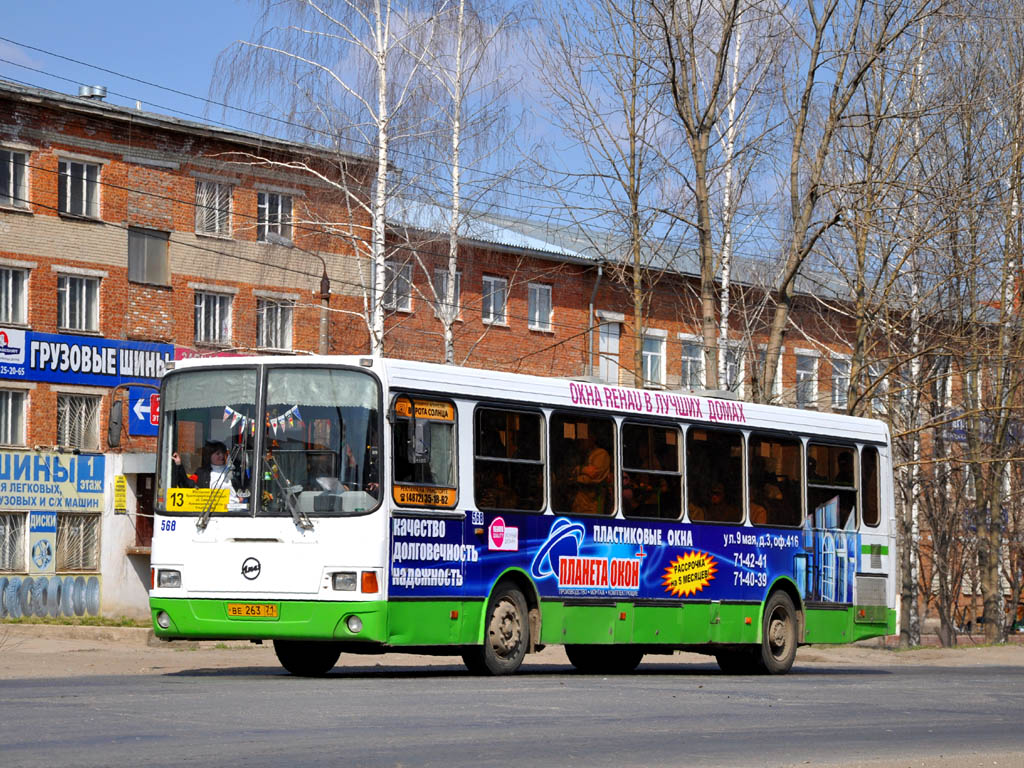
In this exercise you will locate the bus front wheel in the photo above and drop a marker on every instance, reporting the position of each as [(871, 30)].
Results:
[(508, 634), (307, 658), (778, 635)]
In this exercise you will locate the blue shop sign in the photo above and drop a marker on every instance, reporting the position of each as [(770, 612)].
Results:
[(65, 359)]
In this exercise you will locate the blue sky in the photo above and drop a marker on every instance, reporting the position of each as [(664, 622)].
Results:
[(168, 44)]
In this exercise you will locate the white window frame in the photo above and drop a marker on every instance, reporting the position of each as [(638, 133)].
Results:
[(274, 212), (149, 260), (13, 178), (72, 173), (735, 350), (609, 333), (689, 362), (213, 208), (397, 285), (78, 302), (491, 286), (13, 295), (875, 373), (441, 291), (840, 382), (810, 377), (13, 411), (653, 356), (274, 319), (538, 319), (215, 307), (81, 412)]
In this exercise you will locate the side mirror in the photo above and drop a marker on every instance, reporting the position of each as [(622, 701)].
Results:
[(114, 423)]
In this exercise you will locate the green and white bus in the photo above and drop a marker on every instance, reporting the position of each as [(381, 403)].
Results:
[(350, 504)]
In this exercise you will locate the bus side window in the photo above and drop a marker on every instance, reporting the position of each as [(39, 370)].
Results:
[(583, 467), (870, 503), (508, 465), (714, 475), (774, 480), (435, 423), (651, 476)]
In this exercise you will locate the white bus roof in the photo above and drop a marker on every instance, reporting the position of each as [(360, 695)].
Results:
[(528, 390)]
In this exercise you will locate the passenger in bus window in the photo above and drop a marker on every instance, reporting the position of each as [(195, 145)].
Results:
[(844, 468), (721, 508), (593, 479)]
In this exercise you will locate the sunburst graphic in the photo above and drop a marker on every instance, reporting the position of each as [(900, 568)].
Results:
[(689, 574)]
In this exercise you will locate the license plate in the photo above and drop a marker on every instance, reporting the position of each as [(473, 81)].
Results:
[(252, 610)]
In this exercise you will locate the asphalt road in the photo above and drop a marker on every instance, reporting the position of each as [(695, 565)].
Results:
[(666, 714)]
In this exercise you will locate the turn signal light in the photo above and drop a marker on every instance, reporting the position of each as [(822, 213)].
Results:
[(369, 582)]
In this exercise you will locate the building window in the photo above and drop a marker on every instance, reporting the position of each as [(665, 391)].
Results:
[(78, 542), (441, 292), (806, 381), (879, 387), (942, 384), (78, 421), (398, 285), (148, 261), (213, 208), (273, 215), (840, 383), (494, 294), (12, 542), (78, 303), (275, 323), (12, 417), (13, 188), (78, 192), (608, 352), (540, 307), (12, 295), (693, 365), (654, 360), (733, 381), (213, 318)]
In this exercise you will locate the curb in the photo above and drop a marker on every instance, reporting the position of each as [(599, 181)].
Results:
[(137, 636)]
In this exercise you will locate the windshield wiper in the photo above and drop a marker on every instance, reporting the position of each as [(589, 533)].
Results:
[(288, 492), (204, 518)]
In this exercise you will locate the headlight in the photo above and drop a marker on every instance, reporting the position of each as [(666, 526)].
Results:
[(345, 581), (168, 579), (163, 620), (354, 624)]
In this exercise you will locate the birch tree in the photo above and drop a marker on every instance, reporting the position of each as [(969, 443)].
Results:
[(345, 74)]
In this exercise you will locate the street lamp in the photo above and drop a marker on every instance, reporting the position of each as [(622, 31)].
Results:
[(325, 288)]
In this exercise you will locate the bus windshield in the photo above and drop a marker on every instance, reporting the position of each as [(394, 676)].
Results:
[(313, 450)]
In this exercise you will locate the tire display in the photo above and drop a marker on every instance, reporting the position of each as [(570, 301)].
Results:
[(67, 594), (39, 587), (12, 598), (79, 596), (53, 596), (3, 596), (92, 596), (25, 596)]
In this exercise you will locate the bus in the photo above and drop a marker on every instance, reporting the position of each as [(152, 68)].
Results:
[(351, 504)]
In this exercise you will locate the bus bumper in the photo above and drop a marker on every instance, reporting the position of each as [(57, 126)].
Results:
[(204, 619)]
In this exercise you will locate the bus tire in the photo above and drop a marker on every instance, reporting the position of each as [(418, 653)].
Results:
[(778, 635), (307, 658), (508, 634), (604, 659)]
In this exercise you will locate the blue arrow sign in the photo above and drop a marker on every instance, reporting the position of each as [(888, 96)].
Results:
[(143, 411)]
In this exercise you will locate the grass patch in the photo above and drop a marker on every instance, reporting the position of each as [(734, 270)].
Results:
[(82, 621)]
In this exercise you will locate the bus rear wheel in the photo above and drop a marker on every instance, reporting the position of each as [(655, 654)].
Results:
[(307, 658), (508, 634), (604, 659), (778, 635)]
